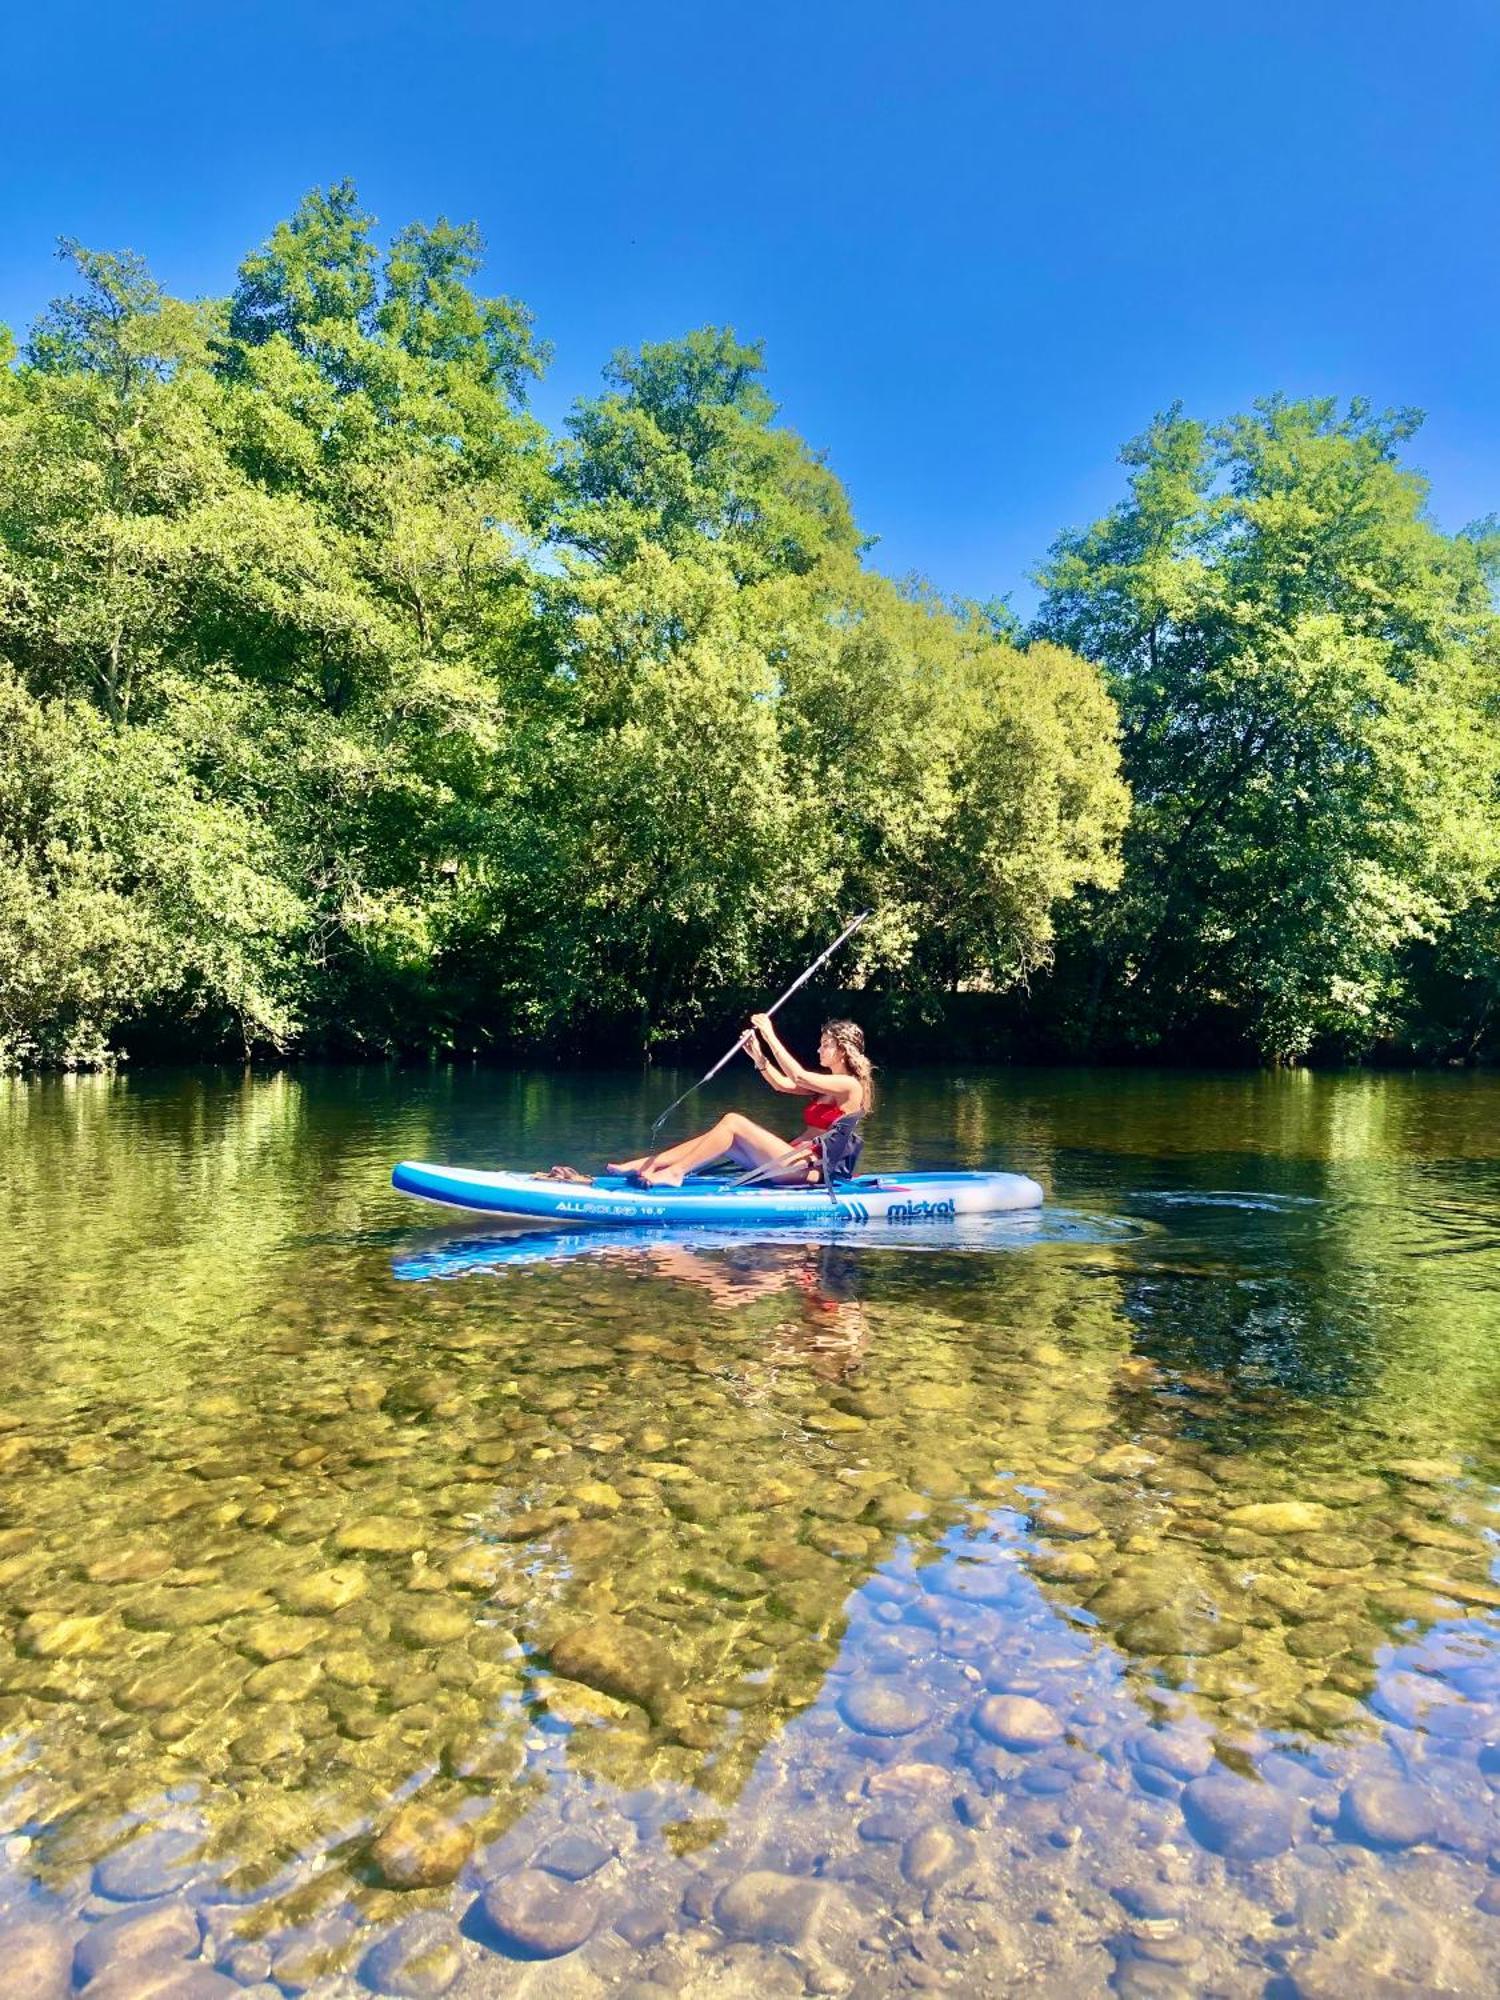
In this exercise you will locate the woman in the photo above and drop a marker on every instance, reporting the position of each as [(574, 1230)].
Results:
[(844, 1084)]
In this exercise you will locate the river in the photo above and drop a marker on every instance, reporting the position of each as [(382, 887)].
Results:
[(1104, 1602)]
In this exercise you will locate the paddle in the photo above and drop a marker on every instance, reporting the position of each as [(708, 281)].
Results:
[(801, 980)]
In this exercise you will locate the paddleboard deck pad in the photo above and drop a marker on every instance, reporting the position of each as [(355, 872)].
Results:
[(614, 1199)]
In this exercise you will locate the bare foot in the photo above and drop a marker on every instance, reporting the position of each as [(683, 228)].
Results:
[(662, 1176)]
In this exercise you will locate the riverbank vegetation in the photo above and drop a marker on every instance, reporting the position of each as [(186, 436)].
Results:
[(345, 708)]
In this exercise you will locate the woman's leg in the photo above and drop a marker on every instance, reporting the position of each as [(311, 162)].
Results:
[(750, 1144), (723, 1134)]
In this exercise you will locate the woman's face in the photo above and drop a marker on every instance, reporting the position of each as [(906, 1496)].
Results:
[(831, 1056)]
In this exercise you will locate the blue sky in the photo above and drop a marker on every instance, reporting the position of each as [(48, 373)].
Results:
[(983, 242)]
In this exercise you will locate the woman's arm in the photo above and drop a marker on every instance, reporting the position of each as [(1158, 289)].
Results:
[(814, 1081), (768, 1070)]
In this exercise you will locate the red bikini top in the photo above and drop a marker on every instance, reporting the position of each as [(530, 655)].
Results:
[(821, 1117)]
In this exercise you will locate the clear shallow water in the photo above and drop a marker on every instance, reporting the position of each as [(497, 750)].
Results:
[(1107, 1605)]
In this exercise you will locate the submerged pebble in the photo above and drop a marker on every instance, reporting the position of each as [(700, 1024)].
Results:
[(418, 1960), (538, 1915), (883, 1708), (1018, 1722), (421, 1847), (1383, 1812), (1238, 1817)]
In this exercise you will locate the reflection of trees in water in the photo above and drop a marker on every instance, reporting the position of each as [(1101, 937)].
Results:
[(1359, 1305)]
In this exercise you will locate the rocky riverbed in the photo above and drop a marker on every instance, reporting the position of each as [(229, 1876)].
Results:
[(767, 1621)]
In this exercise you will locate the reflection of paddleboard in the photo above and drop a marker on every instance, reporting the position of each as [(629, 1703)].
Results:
[(612, 1198), (465, 1254)]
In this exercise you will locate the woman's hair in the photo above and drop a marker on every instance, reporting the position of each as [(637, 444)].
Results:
[(849, 1039)]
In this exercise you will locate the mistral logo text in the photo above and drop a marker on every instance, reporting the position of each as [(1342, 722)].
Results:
[(901, 1211)]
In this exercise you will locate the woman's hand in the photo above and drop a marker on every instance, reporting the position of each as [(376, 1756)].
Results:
[(750, 1043), (761, 1023)]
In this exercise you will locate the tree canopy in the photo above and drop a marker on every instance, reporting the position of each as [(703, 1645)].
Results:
[(345, 707), (1305, 669)]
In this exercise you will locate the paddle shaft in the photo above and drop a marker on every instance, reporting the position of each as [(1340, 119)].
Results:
[(729, 1056)]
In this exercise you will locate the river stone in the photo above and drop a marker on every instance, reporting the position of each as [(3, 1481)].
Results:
[(410, 1688), (129, 1565), (279, 1637), (764, 1907), (1428, 1471), (1378, 1962), (478, 1568), (1130, 1593), (164, 1979), (164, 1930), (37, 1961), (1195, 1634), (490, 1453), (1331, 1708), (1172, 1750), (154, 1864), (1403, 1605), (1336, 1552), (1124, 1461), (882, 1708), (620, 1660), (1280, 1517), (421, 1848), (264, 1742), (933, 1854), (169, 1609), (419, 1960), (1017, 1722), (350, 1667), (1063, 1565), (166, 1683), (421, 1622), (284, 1680), (49, 1635), (1237, 1817), (1319, 1639), (1423, 1534), (1067, 1523), (1150, 1902), (538, 1915), (573, 1856), (323, 1591), (1466, 1590), (595, 1497), (938, 1396), (910, 1781), (383, 1535), (1385, 1813)]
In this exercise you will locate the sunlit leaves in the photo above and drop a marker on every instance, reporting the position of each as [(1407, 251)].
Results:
[(1294, 646)]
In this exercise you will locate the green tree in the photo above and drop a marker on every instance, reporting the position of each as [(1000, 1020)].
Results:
[(350, 708), (1293, 646), (123, 890), (967, 788), (683, 450)]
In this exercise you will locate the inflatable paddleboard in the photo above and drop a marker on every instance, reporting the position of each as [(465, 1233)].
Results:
[(885, 1199)]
